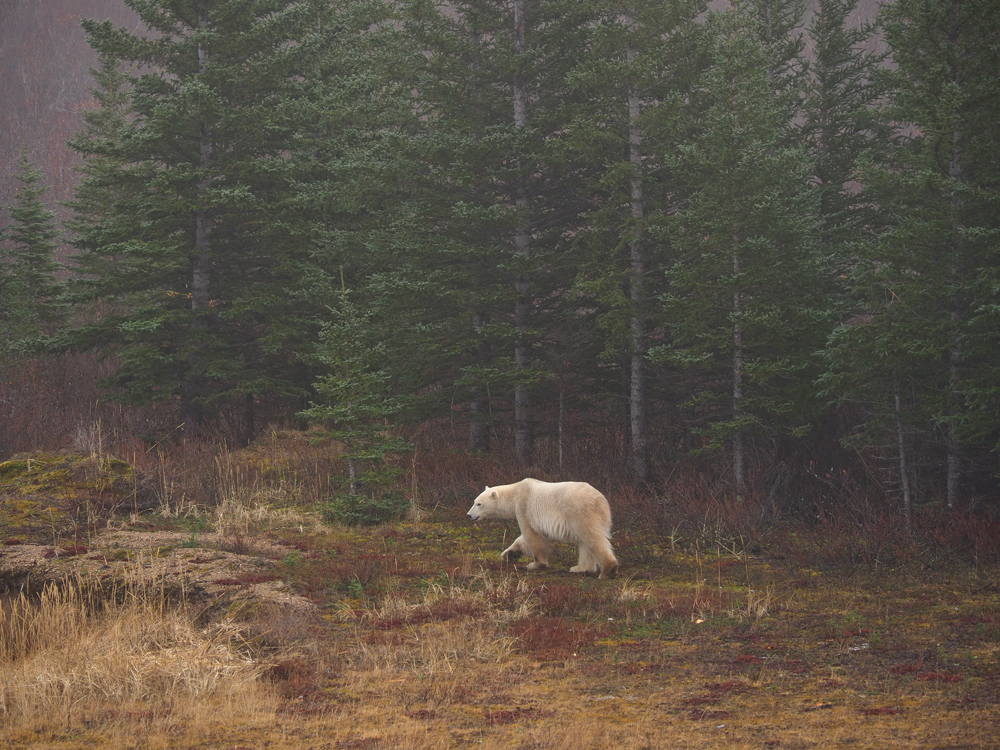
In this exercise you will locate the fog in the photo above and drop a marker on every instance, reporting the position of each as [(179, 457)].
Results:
[(44, 84)]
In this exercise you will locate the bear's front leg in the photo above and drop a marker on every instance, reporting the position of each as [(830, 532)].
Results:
[(532, 544), (539, 547), (514, 551)]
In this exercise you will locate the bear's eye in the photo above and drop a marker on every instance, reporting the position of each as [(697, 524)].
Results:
[(479, 505)]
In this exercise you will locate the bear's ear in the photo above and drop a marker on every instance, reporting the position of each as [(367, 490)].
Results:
[(494, 495)]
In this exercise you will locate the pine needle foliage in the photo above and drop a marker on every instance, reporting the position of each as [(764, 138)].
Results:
[(357, 410)]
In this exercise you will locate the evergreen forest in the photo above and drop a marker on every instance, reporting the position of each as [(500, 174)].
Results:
[(748, 246)]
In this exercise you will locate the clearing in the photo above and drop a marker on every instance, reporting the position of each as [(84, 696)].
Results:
[(257, 627)]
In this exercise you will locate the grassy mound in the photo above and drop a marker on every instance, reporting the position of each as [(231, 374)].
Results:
[(52, 493)]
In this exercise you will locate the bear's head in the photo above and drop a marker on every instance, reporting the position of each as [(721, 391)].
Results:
[(484, 506)]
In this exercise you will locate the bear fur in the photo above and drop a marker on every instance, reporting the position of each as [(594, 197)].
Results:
[(572, 512)]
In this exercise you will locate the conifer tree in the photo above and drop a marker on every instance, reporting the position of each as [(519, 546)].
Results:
[(547, 40), (843, 131), (843, 90), (746, 302), (924, 282), (630, 88), (32, 302), (494, 98), (458, 287), (359, 410), (207, 248), (103, 179), (874, 363), (10, 322), (778, 25), (367, 176)]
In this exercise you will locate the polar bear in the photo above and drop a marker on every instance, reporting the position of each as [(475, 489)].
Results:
[(572, 512)]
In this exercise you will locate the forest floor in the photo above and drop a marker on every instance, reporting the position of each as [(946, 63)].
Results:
[(284, 632)]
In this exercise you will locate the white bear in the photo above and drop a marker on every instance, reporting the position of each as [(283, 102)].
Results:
[(572, 512)]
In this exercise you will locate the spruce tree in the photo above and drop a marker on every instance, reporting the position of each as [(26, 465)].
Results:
[(843, 90), (358, 411), (449, 298), (207, 248), (924, 283), (493, 94), (32, 303), (103, 177), (746, 299), (875, 360), (630, 93), (367, 171)]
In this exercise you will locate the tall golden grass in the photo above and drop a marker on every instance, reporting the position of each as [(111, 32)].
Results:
[(249, 499), (81, 654)]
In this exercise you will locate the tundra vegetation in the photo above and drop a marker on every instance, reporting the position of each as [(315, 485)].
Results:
[(196, 599), (307, 274)]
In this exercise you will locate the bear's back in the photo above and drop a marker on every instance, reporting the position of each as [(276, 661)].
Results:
[(561, 510)]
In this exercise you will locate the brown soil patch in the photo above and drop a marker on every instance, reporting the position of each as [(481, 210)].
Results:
[(198, 565)]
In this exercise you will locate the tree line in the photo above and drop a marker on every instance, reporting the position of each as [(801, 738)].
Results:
[(733, 230)]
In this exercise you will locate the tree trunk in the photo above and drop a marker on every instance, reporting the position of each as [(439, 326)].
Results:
[(904, 473), (479, 407), (739, 471), (637, 261), (954, 480), (352, 475), (523, 417), (247, 426), (626, 409), (192, 410), (562, 417), (479, 432)]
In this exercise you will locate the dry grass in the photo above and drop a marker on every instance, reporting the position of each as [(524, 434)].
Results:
[(503, 659), (424, 639), (265, 484), (80, 654), (756, 606), (447, 628), (248, 502)]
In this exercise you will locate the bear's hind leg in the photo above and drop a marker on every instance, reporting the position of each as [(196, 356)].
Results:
[(587, 562), (599, 548), (607, 563)]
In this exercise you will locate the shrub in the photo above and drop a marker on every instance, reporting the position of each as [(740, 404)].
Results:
[(361, 510)]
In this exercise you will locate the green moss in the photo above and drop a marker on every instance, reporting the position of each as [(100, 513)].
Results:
[(52, 491), (13, 468)]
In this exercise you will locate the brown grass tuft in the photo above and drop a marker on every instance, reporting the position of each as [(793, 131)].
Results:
[(74, 653)]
